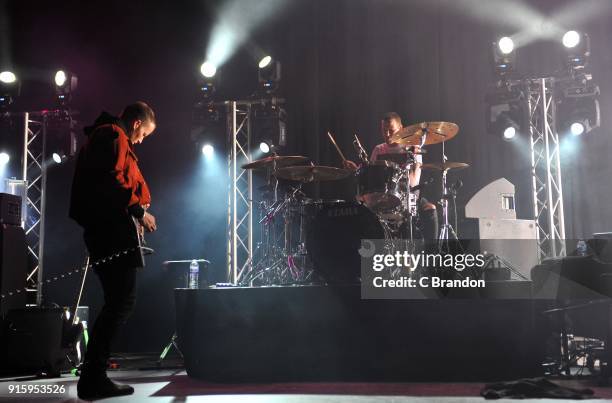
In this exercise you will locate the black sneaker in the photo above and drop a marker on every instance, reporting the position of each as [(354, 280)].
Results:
[(101, 387)]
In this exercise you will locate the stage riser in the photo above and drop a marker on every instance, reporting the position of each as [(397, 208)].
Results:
[(330, 334)]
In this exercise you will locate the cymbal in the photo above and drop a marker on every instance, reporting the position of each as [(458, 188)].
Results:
[(311, 173), (281, 161), (437, 132), (447, 165)]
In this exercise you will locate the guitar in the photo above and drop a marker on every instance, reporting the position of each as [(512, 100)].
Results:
[(143, 249)]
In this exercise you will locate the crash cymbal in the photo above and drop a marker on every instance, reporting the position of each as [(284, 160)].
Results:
[(281, 161), (311, 173), (447, 165), (437, 132)]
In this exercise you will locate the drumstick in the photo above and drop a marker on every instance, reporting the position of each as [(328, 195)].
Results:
[(336, 145)]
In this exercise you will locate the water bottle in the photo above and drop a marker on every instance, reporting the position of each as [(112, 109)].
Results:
[(194, 273), (581, 248)]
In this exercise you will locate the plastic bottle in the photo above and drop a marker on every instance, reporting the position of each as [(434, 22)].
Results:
[(581, 248), (194, 273)]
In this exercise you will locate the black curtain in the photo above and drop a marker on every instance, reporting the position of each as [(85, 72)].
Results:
[(345, 63)]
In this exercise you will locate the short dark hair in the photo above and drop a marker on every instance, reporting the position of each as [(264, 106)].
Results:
[(387, 117), (137, 111)]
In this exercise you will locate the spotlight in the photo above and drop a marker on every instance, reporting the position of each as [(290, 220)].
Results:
[(578, 110), (577, 128), (208, 69), (506, 113), (506, 45), (65, 85), (8, 77), (208, 151), (60, 78), (578, 49), (269, 125), (509, 133), (269, 74), (571, 39), (59, 157), (9, 88), (266, 146), (265, 61), (504, 56), (4, 158)]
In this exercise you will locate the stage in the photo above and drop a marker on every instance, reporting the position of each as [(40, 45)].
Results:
[(328, 333), (164, 386)]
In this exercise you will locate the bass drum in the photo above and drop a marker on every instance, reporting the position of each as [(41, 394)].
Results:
[(334, 240)]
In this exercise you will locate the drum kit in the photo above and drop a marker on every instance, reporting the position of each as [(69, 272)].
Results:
[(305, 240)]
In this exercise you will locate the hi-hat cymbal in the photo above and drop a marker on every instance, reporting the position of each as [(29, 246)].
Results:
[(280, 160), (447, 165), (311, 173), (437, 132)]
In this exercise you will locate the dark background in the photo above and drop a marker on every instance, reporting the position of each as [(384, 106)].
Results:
[(345, 63)]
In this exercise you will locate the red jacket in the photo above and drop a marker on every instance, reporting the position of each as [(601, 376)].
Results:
[(107, 180)]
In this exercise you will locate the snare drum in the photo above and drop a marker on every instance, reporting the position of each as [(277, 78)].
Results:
[(378, 186)]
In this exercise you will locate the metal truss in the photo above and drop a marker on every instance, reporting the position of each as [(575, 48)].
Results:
[(240, 195), (546, 168), (34, 175)]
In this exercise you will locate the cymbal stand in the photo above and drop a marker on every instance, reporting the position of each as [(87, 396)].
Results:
[(446, 230)]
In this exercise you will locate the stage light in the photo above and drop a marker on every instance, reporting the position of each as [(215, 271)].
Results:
[(506, 45), (60, 78), (509, 132), (269, 76), (208, 151), (578, 49), (578, 109), (506, 113), (577, 128), (9, 88), (65, 85), (208, 69), (8, 77), (60, 157), (504, 56), (265, 61), (266, 146), (571, 39), (4, 158), (269, 126), (207, 90)]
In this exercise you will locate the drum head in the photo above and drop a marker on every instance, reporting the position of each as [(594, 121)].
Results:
[(335, 239)]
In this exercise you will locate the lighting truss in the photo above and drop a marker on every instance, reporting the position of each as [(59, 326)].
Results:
[(35, 177), (546, 168), (240, 195)]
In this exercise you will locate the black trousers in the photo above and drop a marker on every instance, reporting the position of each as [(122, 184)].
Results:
[(428, 221), (118, 280), (119, 286)]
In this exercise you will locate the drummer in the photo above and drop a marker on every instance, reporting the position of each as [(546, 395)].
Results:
[(391, 124)]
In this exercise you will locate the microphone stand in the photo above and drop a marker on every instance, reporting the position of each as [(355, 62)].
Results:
[(174, 338)]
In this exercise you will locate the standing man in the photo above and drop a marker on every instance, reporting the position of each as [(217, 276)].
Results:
[(109, 193), (391, 124)]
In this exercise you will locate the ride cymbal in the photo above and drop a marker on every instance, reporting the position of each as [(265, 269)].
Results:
[(446, 166), (279, 160), (437, 132)]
